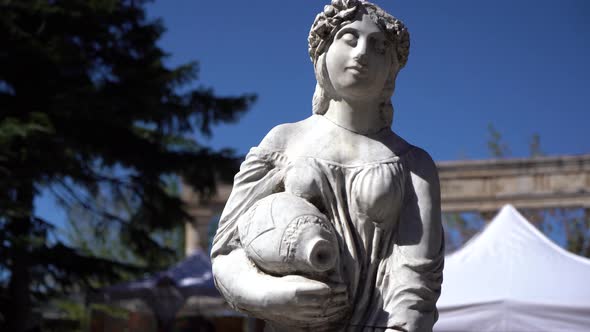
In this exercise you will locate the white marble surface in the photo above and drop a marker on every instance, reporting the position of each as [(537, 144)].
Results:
[(342, 183)]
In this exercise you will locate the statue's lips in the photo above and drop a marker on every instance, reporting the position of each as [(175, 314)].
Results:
[(358, 70)]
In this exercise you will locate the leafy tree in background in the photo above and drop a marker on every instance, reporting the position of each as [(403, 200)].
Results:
[(93, 237), (535, 146), (89, 109), (497, 147)]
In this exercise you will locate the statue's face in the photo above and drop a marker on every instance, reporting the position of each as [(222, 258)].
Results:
[(359, 60)]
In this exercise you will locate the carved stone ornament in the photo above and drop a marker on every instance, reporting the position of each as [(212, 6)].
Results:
[(333, 223)]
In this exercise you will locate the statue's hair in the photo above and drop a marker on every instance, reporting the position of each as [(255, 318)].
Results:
[(321, 36)]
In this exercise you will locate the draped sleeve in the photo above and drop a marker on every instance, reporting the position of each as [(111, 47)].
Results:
[(418, 251), (261, 174)]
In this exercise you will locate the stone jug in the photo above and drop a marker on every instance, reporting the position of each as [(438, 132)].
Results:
[(285, 234)]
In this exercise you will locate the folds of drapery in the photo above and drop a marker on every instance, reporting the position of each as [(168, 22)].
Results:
[(389, 286)]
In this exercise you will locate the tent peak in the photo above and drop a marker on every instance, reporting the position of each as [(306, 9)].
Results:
[(510, 228), (508, 208)]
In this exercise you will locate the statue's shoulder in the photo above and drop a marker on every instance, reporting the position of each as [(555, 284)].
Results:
[(416, 158), (279, 137), (421, 163), (396, 144)]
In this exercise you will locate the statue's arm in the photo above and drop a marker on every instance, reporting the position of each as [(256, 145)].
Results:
[(290, 300), (421, 233), (420, 246), (259, 176)]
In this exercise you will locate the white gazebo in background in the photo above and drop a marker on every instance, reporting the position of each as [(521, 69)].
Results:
[(510, 277)]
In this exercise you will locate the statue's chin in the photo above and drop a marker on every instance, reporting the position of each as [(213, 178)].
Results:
[(357, 88)]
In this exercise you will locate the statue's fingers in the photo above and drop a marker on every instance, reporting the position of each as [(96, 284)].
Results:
[(339, 298), (312, 299), (322, 299), (333, 310), (306, 313), (339, 288), (318, 321), (315, 311), (315, 288)]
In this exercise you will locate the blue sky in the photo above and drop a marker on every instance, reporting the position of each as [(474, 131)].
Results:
[(523, 66)]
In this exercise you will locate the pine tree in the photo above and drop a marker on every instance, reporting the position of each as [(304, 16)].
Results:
[(88, 108)]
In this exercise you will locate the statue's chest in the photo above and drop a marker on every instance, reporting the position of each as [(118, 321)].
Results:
[(339, 147), (369, 194)]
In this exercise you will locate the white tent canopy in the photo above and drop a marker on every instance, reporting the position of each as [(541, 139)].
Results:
[(511, 277)]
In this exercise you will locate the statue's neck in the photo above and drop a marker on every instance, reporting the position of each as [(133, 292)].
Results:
[(360, 117)]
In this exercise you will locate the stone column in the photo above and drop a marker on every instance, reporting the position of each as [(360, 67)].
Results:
[(202, 211)]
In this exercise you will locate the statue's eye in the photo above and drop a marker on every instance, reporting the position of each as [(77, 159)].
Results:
[(349, 38)]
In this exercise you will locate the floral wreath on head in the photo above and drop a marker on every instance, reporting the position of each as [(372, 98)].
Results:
[(341, 12)]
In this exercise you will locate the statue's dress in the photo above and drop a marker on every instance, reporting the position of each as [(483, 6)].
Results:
[(387, 286)]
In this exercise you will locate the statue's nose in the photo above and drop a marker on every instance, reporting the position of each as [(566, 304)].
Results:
[(360, 51)]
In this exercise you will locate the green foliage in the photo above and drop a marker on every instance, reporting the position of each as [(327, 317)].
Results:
[(568, 226), (535, 146), (496, 146), (578, 240), (459, 228), (90, 110), (74, 316), (94, 237), (74, 311)]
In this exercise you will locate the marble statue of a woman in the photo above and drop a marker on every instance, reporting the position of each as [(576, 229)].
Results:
[(344, 172)]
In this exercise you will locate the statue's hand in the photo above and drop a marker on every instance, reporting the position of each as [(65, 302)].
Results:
[(289, 301), (298, 301)]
